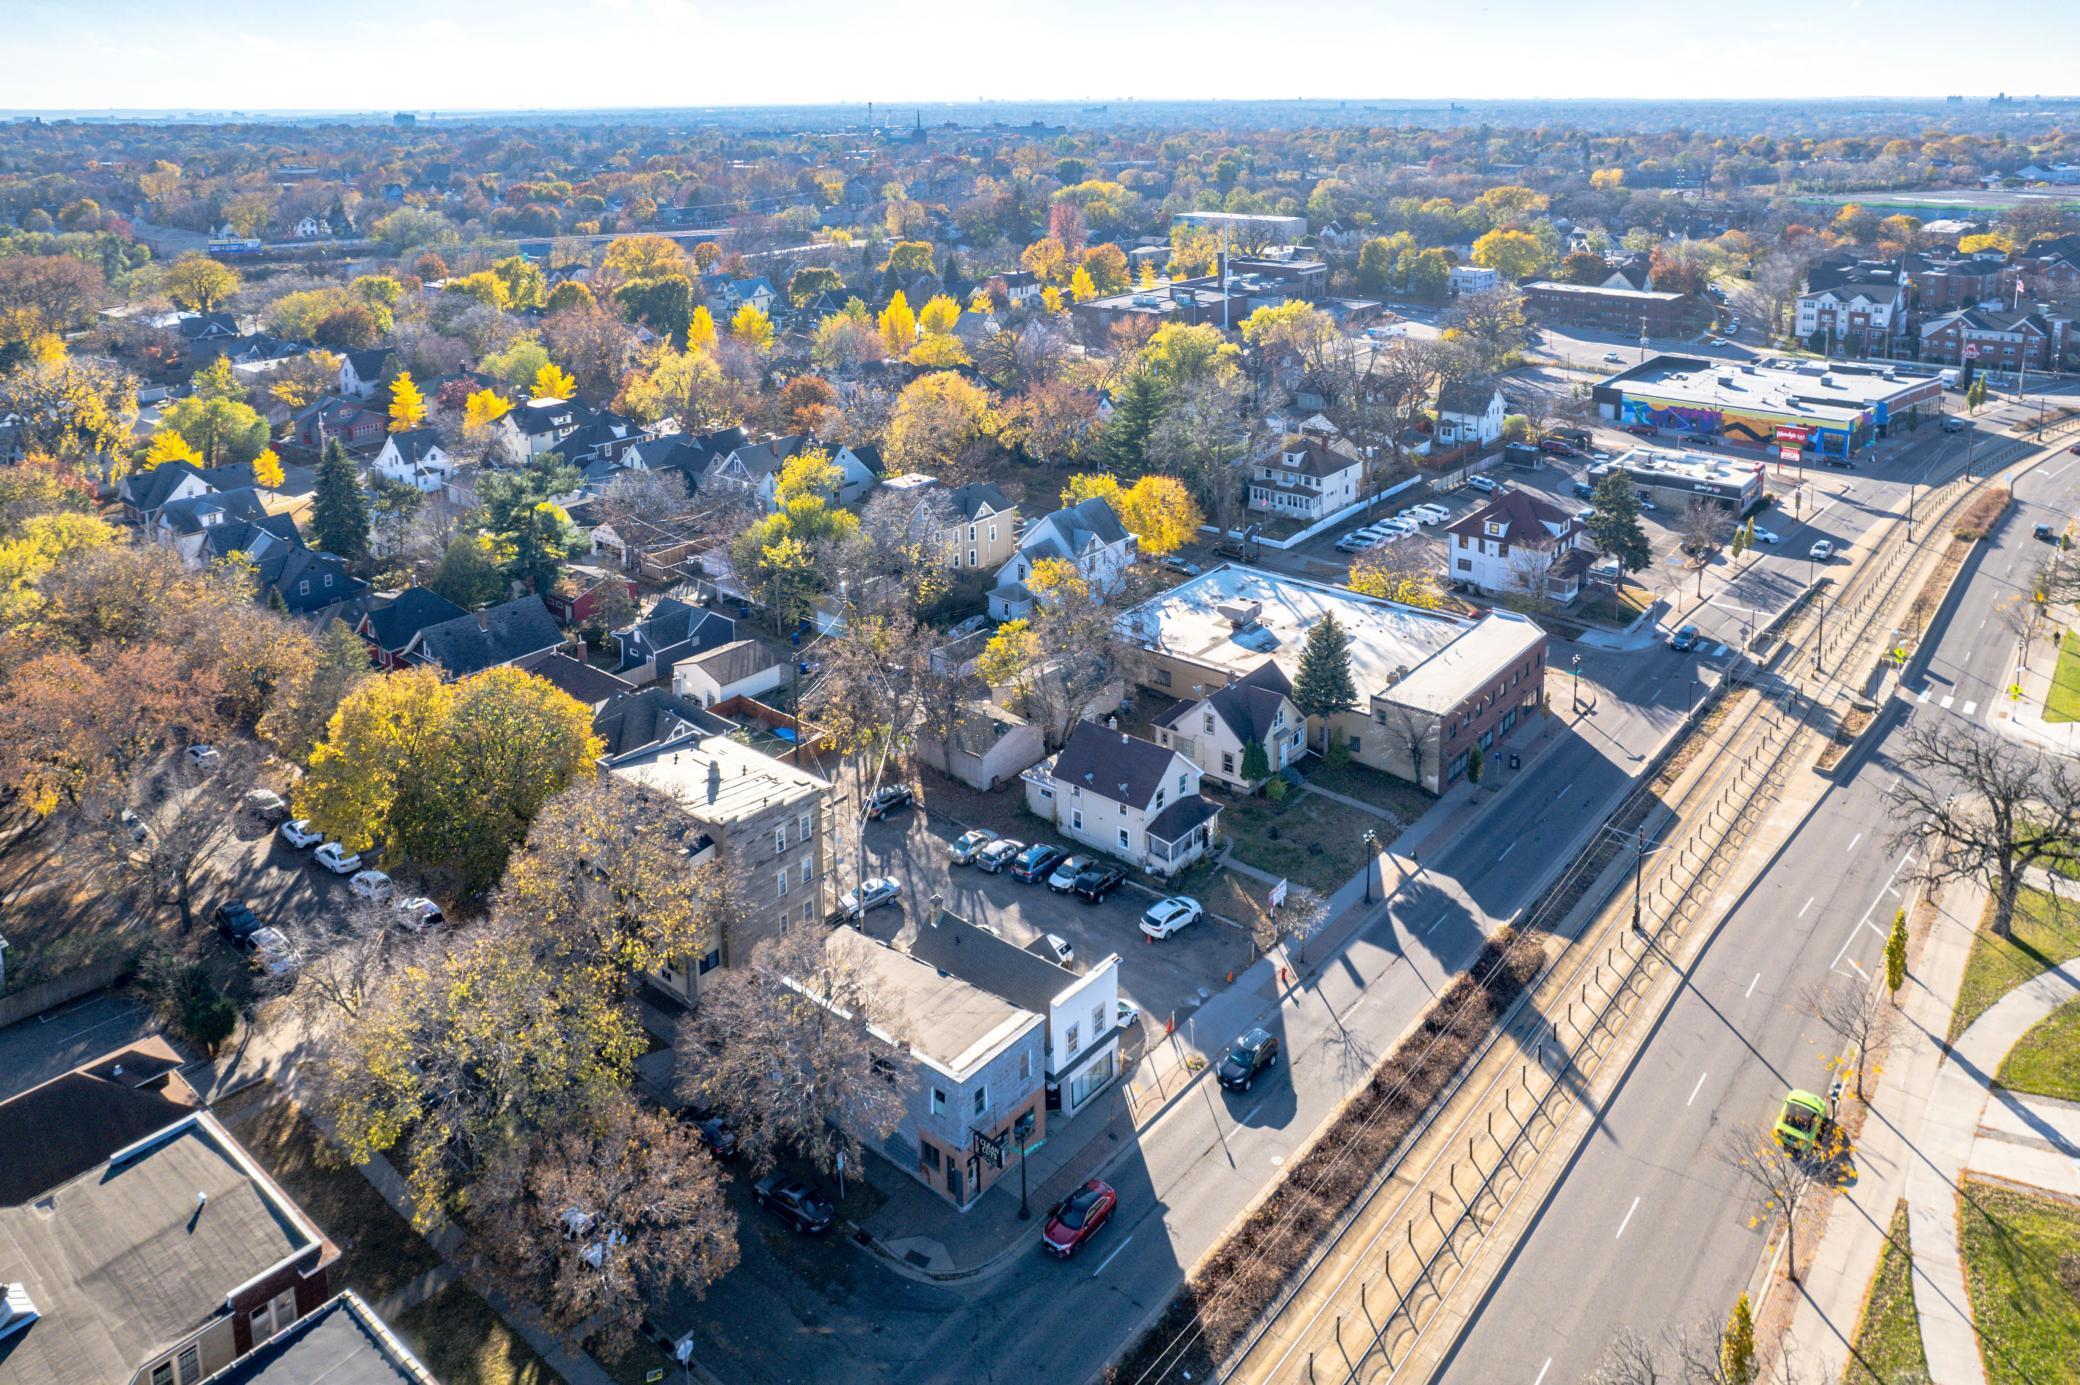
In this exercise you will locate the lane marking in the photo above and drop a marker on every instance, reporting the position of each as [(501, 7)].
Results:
[(1970, 707), (1751, 986), (1859, 969), (1504, 852), (1536, 1379), (1720, 651), (1563, 793), (1854, 840), (1252, 1112), (1808, 905), (1925, 692), (1110, 1258), (1948, 703), (1628, 1218), (1699, 1087), (1876, 900)]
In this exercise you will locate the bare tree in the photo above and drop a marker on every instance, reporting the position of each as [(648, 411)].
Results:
[(1705, 527), (1999, 807), (1630, 1359), (178, 821), (1782, 1179), (1531, 570), (1854, 1012), (598, 1226), (788, 1049), (1299, 918), (639, 493), (349, 957), (1201, 439)]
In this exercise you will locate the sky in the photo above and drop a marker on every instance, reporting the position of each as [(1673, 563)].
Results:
[(260, 55)]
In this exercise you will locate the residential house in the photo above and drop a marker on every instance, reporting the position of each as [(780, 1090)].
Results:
[(309, 228), (1470, 412), (1307, 477), (496, 635), (1215, 732), (1124, 796), (140, 1242), (1081, 1007), (183, 524), (766, 823), (726, 296), (581, 591), (1632, 272), (592, 686), (1470, 278), (651, 716), (973, 526), (1520, 543), (357, 426), (414, 458), (144, 493), (1431, 686), (967, 1064), (304, 581), (363, 373), (859, 469), (1087, 534), (986, 747), (741, 668), (752, 466), (538, 426), (1022, 286), (392, 626), (1853, 317), (672, 630)]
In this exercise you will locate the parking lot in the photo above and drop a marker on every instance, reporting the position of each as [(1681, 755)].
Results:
[(1165, 979)]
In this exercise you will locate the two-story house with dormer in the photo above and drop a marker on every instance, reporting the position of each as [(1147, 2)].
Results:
[(1124, 796), (1087, 534), (1307, 477), (1520, 543), (538, 426), (361, 373), (414, 458), (1469, 412), (1216, 732)]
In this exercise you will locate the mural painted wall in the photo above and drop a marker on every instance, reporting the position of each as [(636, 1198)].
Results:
[(1750, 428)]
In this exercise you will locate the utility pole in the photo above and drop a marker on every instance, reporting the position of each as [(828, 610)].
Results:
[(1639, 868)]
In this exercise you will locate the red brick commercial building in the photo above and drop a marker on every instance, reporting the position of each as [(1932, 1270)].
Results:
[(1629, 311)]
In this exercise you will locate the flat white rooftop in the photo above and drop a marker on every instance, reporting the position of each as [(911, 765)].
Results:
[(1778, 386)]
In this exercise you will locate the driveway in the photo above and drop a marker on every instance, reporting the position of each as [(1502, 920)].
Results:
[(1167, 979)]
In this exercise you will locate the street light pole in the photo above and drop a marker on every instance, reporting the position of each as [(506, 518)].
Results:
[(1371, 860), (1639, 864), (1577, 669)]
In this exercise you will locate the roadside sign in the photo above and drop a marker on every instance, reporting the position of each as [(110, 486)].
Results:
[(1788, 454), (1971, 351), (1277, 895)]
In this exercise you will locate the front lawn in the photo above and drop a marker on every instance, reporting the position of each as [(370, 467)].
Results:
[(462, 1342), (2022, 1266), (2044, 936), (1308, 839), (2062, 701), (1888, 1339), (2046, 1062), (1398, 798)]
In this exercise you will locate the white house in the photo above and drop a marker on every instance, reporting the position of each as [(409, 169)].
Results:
[(1308, 477), (859, 469), (1852, 313), (310, 228), (1469, 411), (729, 295), (741, 668), (1519, 543), (986, 746), (1126, 797), (1022, 286), (1470, 278), (415, 458), (538, 426), (1088, 534), (1216, 731), (361, 372)]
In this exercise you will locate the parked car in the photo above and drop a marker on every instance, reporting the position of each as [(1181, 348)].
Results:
[(418, 913), (887, 799), (718, 1135), (1078, 1217), (1821, 551), (1253, 1053), (1055, 946), (872, 894), (1640, 430), (1127, 1014), (203, 756), (998, 854), (1036, 861), (237, 922), (1099, 880), (265, 805), (299, 834), (1953, 425), (274, 954), (1763, 535), (1485, 484), (1584, 490), (1433, 514), (1166, 916), (1067, 869), (1585, 514), (1557, 447), (2044, 532), (1684, 638), (1721, 341), (372, 884), (796, 1203), (968, 846), (1178, 565), (1612, 358), (338, 859)]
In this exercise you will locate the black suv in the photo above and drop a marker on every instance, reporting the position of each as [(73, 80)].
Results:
[(796, 1203), (1245, 1058), (237, 922), (1095, 882)]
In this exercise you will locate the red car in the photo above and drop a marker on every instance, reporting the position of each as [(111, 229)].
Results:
[(1077, 1217), (1640, 430)]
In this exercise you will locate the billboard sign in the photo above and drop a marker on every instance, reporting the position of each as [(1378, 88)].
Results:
[(1792, 435)]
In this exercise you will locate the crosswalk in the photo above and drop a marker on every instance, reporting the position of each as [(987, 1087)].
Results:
[(1949, 701)]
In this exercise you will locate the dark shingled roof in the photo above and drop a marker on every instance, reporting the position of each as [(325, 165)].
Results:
[(463, 646), (1246, 705), (56, 1132), (982, 959), (1112, 764), (412, 610), (591, 686), (1181, 817)]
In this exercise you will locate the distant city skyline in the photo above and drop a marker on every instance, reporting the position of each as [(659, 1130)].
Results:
[(254, 55)]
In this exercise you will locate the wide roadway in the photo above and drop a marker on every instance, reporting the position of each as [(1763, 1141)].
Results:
[(1647, 1229)]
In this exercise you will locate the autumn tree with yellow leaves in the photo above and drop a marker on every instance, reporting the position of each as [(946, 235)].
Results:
[(407, 404)]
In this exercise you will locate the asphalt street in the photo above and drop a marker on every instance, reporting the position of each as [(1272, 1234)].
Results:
[(1647, 1229)]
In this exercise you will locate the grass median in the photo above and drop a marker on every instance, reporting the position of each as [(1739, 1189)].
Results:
[(1888, 1338), (2046, 1062), (2044, 934), (2022, 1266)]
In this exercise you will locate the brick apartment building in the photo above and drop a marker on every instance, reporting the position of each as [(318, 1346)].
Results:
[(1606, 309)]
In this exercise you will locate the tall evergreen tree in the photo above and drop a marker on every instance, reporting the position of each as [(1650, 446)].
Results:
[(1137, 406), (1615, 526), (339, 511), (1324, 686)]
